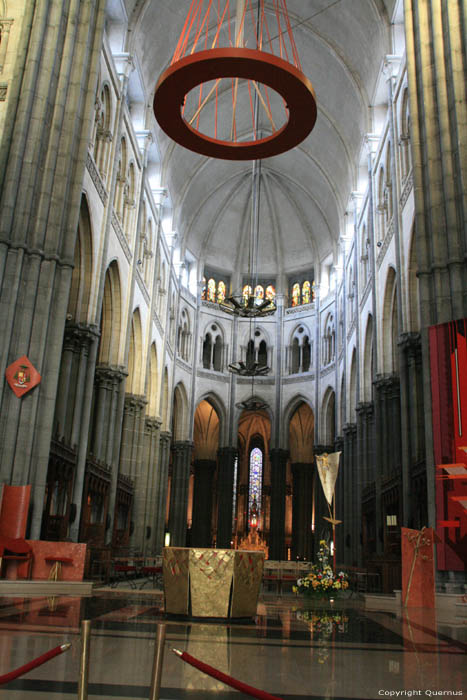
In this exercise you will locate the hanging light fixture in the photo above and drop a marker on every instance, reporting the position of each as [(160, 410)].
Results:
[(246, 303), (228, 55), (253, 403), (249, 368)]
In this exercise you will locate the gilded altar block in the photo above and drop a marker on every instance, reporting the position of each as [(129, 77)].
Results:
[(211, 582)]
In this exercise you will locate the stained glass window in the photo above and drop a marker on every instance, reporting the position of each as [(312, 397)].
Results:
[(256, 479), (270, 292), (296, 294), (220, 292), (203, 290), (306, 292), (246, 291), (234, 495), (259, 292), (212, 290)]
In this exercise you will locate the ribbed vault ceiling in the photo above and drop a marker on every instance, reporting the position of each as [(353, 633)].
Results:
[(304, 192)]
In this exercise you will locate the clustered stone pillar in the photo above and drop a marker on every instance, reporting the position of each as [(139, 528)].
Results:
[(302, 494), (131, 461), (278, 459), (181, 460), (160, 490), (225, 485), (351, 496), (107, 385), (37, 258), (152, 428), (201, 535)]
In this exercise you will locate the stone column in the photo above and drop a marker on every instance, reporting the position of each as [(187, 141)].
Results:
[(161, 481), (225, 486), (36, 260), (201, 535), (302, 539), (181, 461), (278, 459)]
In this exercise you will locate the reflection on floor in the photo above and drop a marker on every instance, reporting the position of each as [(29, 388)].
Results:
[(292, 649)]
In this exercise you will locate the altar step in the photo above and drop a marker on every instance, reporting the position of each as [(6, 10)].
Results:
[(21, 587)]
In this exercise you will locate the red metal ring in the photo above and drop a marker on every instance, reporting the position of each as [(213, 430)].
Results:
[(181, 77)]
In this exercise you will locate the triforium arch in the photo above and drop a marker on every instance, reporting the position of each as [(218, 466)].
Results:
[(301, 456)]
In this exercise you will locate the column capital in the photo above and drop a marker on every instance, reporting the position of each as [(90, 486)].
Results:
[(321, 449), (165, 437), (182, 447), (278, 454), (227, 452), (349, 429)]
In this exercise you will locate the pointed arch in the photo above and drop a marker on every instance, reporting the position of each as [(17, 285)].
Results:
[(81, 280), (329, 416), (153, 385), (165, 400), (367, 372), (135, 356), (206, 428), (302, 433), (180, 413), (111, 318), (353, 388), (390, 323), (413, 287)]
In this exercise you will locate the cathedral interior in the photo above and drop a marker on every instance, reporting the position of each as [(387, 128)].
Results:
[(142, 410)]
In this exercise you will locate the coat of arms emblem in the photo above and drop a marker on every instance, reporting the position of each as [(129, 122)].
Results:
[(22, 376)]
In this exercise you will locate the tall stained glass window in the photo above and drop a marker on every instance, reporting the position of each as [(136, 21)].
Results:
[(212, 290), (256, 479), (270, 292), (306, 292), (296, 294), (203, 290), (220, 292)]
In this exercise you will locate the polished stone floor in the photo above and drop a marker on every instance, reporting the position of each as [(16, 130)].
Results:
[(290, 650)]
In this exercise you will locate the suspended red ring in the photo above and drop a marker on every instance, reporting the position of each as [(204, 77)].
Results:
[(181, 77)]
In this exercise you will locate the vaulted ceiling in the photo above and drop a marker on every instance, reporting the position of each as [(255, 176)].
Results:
[(304, 192)]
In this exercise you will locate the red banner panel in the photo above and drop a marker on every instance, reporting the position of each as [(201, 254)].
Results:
[(448, 365)]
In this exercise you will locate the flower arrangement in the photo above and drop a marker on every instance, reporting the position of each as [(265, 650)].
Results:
[(321, 581), (324, 623)]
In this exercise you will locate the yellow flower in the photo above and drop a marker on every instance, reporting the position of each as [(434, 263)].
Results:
[(294, 589)]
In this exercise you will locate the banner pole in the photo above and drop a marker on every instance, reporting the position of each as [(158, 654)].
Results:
[(84, 666), (158, 660)]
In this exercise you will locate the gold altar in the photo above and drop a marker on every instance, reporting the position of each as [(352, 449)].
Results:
[(211, 582)]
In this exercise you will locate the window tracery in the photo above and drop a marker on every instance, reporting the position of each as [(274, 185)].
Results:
[(300, 351)]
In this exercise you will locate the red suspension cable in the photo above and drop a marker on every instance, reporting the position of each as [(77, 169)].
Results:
[(224, 678)]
